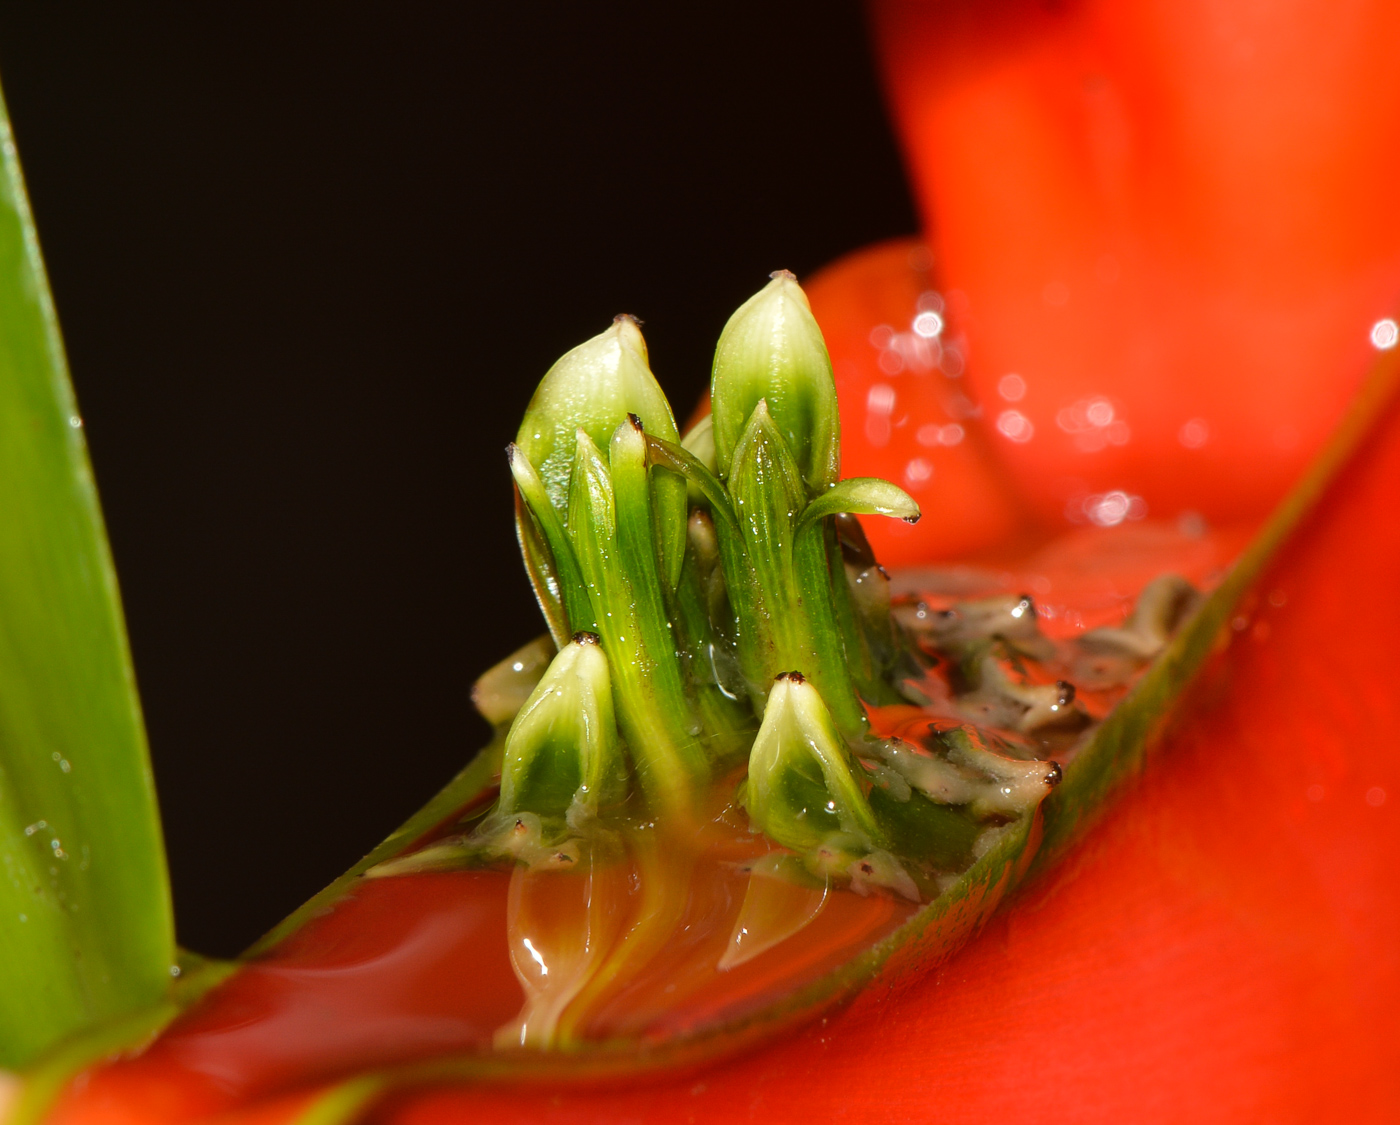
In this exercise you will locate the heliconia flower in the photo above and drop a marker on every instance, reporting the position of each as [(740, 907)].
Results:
[(593, 387), (804, 785), (772, 351), (562, 752)]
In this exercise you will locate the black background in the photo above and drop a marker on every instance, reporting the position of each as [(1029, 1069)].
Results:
[(310, 263)]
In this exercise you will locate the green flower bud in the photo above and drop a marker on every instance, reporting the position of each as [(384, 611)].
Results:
[(592, 388), (804, 785), (563, 752), (772, 350)]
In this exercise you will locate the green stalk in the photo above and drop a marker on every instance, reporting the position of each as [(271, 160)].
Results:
[(830, 667), (651, 703)]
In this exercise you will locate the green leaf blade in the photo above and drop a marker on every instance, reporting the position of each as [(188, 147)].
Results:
[(86, 926)]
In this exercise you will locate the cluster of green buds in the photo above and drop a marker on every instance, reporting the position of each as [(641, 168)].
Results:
[(711, 596)]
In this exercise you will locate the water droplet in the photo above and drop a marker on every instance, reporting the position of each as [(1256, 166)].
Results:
[(1011, 387), (928, 324), (1016, 426), (1194, 433), (918, 471)]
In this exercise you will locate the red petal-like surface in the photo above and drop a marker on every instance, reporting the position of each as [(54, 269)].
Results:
[(1172, 220)]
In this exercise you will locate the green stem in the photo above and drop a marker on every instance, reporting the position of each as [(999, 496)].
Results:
[(830, 667), (612, 541)]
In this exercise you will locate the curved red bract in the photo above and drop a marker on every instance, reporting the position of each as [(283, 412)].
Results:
[(1223, 946), (1181, 211)]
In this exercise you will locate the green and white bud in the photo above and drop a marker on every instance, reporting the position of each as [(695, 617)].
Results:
[(593, 388), (772, 350), (804, 785), (563, 753)]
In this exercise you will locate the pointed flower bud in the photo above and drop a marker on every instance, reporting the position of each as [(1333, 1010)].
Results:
[(772, 350), (562, 751), (593, 388), (804, 785)]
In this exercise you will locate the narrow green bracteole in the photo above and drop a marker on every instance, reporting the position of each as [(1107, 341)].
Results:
[(562, 754), (548, 529), (768, 497), (832, 662), (638, 557), (540, 569), (772, 350), (859, 596), (804, 786), (778, 583), (699, 477), (700, 611), (653, 712), (668, 632)]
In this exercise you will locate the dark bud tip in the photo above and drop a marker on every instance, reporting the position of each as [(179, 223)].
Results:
[(629, 318), (1055, 776), (636, 423), (795, 677), (914, 519), (783, 273), (1027, 604), (511, 450), (1066, 692), (583, 637)]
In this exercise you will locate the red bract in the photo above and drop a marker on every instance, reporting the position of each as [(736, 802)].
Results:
[(1173, 221)]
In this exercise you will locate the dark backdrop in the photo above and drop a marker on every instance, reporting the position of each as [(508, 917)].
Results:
[(310, 265)]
